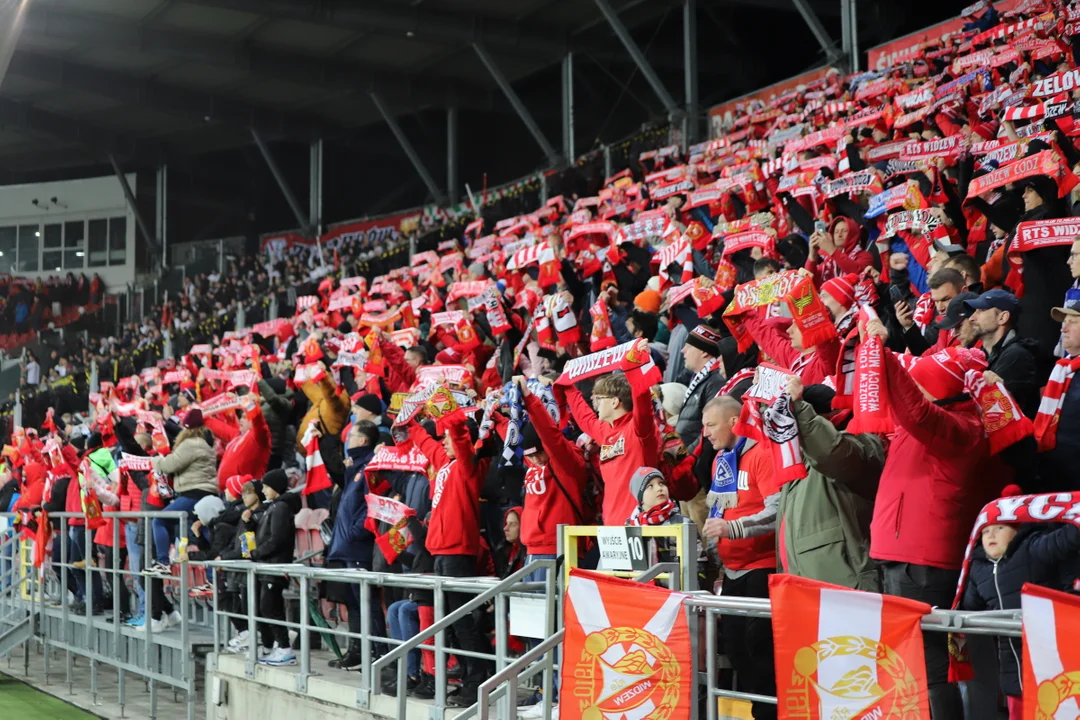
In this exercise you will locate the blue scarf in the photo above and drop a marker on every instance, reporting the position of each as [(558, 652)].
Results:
[(725, 482)]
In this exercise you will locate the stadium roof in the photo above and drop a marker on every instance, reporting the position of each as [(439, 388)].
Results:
[(147, 78)]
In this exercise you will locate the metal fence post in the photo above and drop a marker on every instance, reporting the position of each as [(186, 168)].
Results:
[(305, 641)]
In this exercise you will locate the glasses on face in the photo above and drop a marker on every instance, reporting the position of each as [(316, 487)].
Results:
[(598, 398)]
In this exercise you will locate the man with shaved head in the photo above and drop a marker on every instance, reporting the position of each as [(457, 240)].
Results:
[(744, 499)]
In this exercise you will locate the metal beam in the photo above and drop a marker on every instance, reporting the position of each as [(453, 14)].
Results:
[(410, 151), (452, 190), (315, 185), (690, 70), (639, 58), (161, 208), (155, 247), (853, 24), (568, 107), (302, 220), (822, 36), (519, 107)]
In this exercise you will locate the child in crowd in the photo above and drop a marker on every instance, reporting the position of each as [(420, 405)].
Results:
[(1009, 556), (275, 541), (655, 507)]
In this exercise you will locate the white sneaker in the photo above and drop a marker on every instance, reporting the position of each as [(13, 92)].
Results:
[(239, 643), (174, 619), (279, 657), (534, 712), (264, 652), (159, 626)]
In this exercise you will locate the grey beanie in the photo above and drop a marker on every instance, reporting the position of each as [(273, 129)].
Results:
[(640, 479), (208, 508)]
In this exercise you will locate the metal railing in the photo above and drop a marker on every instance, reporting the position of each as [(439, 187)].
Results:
[(89, 645), (485, 589)]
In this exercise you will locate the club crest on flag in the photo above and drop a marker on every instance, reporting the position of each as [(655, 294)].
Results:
[(842, 654), (627, 651), (1051, 665), (997, 409)]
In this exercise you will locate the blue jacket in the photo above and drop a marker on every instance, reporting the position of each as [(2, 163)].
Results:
[(351, 541)]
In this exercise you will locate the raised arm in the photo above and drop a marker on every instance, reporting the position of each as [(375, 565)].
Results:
[(933, 426)]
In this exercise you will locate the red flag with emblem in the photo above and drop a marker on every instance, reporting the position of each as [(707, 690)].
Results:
[(627, 651), (846, 653), (1051, 620)]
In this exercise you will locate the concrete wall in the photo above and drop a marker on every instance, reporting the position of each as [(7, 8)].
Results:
[(77, 203)]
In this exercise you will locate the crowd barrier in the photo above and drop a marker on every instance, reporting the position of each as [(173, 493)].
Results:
[(25, 595)]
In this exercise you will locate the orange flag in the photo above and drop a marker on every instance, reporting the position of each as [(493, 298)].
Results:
[(846, 653), (627, 650), (1051, 654)]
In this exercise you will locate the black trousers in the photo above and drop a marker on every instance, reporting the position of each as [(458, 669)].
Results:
[(119, 589), (748, 642), (272, 607), (466, 629), (936, 587)]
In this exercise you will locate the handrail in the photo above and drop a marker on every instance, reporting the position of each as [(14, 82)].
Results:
[(399, 653), (513, 670)]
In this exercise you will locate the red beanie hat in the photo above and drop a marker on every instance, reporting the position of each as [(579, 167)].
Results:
[(235, 484), (842, 289), (942, 374)]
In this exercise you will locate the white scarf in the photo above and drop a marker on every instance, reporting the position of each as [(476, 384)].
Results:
[(701, 375)]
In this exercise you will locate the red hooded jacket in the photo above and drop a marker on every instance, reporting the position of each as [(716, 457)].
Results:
[(246, 453), (454, 528), (931, 488), (553, 493)]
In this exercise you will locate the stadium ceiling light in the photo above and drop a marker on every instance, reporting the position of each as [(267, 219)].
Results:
[(410, 33), (80, 253)]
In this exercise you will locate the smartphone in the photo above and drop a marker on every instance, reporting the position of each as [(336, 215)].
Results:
[(895, 294), (819, 226)]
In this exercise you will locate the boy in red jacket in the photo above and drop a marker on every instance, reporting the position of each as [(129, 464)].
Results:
[(453, 536), (625, 428)]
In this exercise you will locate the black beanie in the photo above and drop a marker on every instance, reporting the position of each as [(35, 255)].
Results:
[(530, 441), (276, 480), (371, 403), (705, 339)]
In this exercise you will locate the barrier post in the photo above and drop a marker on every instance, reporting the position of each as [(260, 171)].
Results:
[(305, 641)]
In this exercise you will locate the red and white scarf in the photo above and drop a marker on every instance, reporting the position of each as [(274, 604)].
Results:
[(317, 476), (767, 417), (1053, 399), (729, 386), (394, 513), (1002, 419), (657, 515)]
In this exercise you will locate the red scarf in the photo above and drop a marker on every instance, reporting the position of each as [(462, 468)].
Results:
[(602, 335), (657, 515), (871, 398), (1053, 398), (1005, 425), (810, 314)]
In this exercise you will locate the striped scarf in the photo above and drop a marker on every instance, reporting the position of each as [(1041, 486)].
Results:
[(512, 447), (1053, 399), (729, 386), (700, 376), (317, 478)]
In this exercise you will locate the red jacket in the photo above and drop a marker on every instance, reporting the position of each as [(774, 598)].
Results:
[(629, 444), (546, 505), (755, 483), (400, 374), (32, 487), (812, 368), (247, 453), (930, 491), (454, 528)]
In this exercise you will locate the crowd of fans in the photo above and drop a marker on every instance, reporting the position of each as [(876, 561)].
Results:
[(826, 339)]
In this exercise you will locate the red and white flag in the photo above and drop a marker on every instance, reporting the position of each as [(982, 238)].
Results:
[(627, 651), (317, 478), (1051, 655), (846, 653)]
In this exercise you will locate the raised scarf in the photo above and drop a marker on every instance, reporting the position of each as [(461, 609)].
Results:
[(767, 417), (1002, 420), (511, 396), (729, 386), (657, 515), (317, 478), (1053, 399), (810, 314), (396, 514), (601, 336), (870, 400), (724, 491)]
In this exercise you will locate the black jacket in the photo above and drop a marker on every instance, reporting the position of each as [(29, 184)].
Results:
[(1033, 556), (223, 534), (1014, 360), (1046, 278), (275, 530)]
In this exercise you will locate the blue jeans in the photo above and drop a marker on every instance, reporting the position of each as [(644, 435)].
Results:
[(135, 551), (404, 624), (166, 530), (541, 574), (77, 551)]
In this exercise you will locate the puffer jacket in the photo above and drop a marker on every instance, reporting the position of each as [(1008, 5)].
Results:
[(932, 486), (193, 466), (1032, 557), (328, 406), (824, 519)]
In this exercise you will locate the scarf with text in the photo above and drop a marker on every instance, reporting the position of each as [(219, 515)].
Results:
[(809, 313), (316, 476), (632, 358), (601, 336), (1053, 399), (396, 514), (870, 404), (767, 417), (755, 294), (656, 515), (706, 294)]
